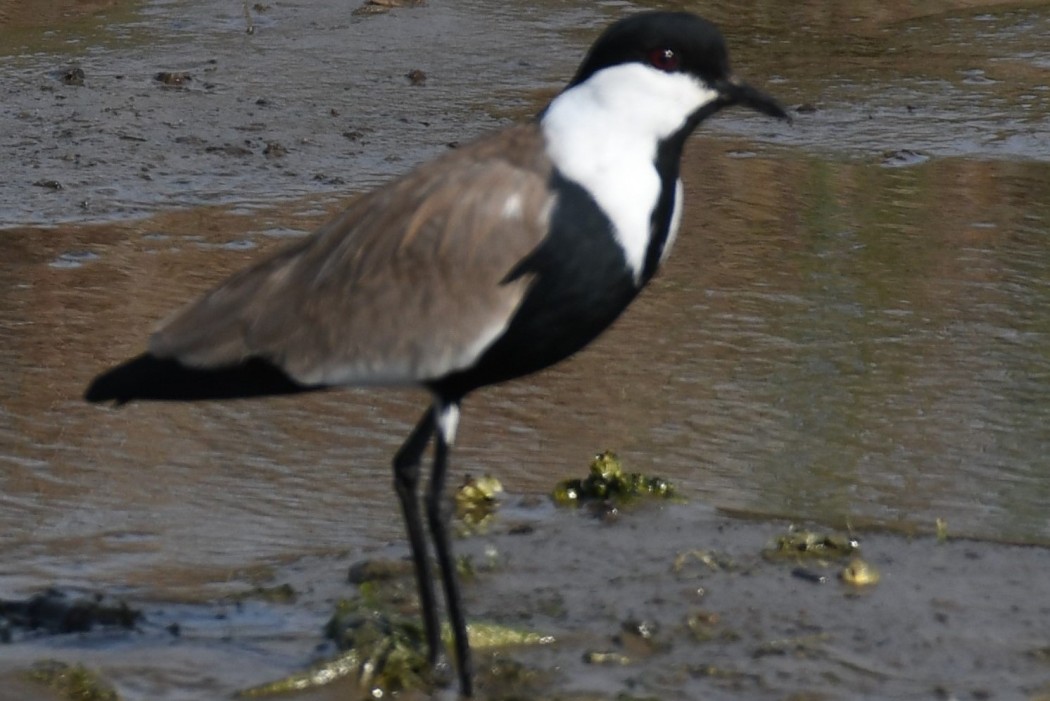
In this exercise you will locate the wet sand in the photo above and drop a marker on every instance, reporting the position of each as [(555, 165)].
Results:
[(48, 13)]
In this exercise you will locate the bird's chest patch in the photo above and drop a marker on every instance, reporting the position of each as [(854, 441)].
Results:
[(626, 188)]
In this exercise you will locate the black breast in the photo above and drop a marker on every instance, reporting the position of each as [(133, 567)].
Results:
[(581, 285)]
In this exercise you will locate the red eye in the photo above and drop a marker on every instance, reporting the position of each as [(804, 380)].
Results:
[(664, 59)]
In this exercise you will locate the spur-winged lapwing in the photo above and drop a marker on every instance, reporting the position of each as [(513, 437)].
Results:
[(490, 262)]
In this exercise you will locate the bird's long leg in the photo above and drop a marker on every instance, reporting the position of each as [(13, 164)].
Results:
[(406, 481), (438, 513)]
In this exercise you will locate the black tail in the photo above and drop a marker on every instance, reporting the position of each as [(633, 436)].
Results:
[(148, 377)]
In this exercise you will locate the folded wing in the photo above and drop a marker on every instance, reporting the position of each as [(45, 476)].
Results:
[(406, 285)]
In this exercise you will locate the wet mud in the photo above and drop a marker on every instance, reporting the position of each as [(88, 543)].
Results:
[(671, 601), (851, 336)]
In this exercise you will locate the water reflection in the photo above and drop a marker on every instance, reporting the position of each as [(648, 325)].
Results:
[(891, 334)]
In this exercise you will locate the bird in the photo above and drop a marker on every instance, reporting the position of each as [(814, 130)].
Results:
[(494, 260)]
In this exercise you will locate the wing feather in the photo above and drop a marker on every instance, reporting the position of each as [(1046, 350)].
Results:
[(405, 285)]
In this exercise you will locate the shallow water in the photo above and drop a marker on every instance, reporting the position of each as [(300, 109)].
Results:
[(853, 328)]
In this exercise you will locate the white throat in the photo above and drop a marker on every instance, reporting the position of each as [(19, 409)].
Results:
[(603, 134)]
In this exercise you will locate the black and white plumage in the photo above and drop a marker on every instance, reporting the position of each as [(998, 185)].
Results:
[(491, 262)]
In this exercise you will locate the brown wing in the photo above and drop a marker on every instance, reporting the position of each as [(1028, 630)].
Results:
[(405, 285)]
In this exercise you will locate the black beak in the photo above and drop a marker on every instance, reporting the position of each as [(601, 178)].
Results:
[(737, 92)]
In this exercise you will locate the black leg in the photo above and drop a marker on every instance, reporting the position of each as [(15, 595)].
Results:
[(406, 481), (438, 515)]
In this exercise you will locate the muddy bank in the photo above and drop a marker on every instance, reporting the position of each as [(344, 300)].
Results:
[(719, 616), (312, 102), (46, 14)]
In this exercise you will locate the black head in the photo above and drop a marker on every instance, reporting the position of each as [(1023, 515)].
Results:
[(675, 42)]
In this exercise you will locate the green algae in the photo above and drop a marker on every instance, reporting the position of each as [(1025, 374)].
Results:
[(607, 481), (74, 682)]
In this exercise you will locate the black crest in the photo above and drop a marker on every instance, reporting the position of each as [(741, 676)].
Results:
[(696, 46)]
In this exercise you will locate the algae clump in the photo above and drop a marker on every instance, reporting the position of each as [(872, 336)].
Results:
[(74, 682), (607, 481)]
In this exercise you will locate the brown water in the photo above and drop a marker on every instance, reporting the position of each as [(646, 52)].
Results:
[(855, 326)]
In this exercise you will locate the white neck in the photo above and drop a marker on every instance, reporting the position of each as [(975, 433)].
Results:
[(604, 133)]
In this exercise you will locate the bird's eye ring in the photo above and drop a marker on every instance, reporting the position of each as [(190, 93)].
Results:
[(664, 59)]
